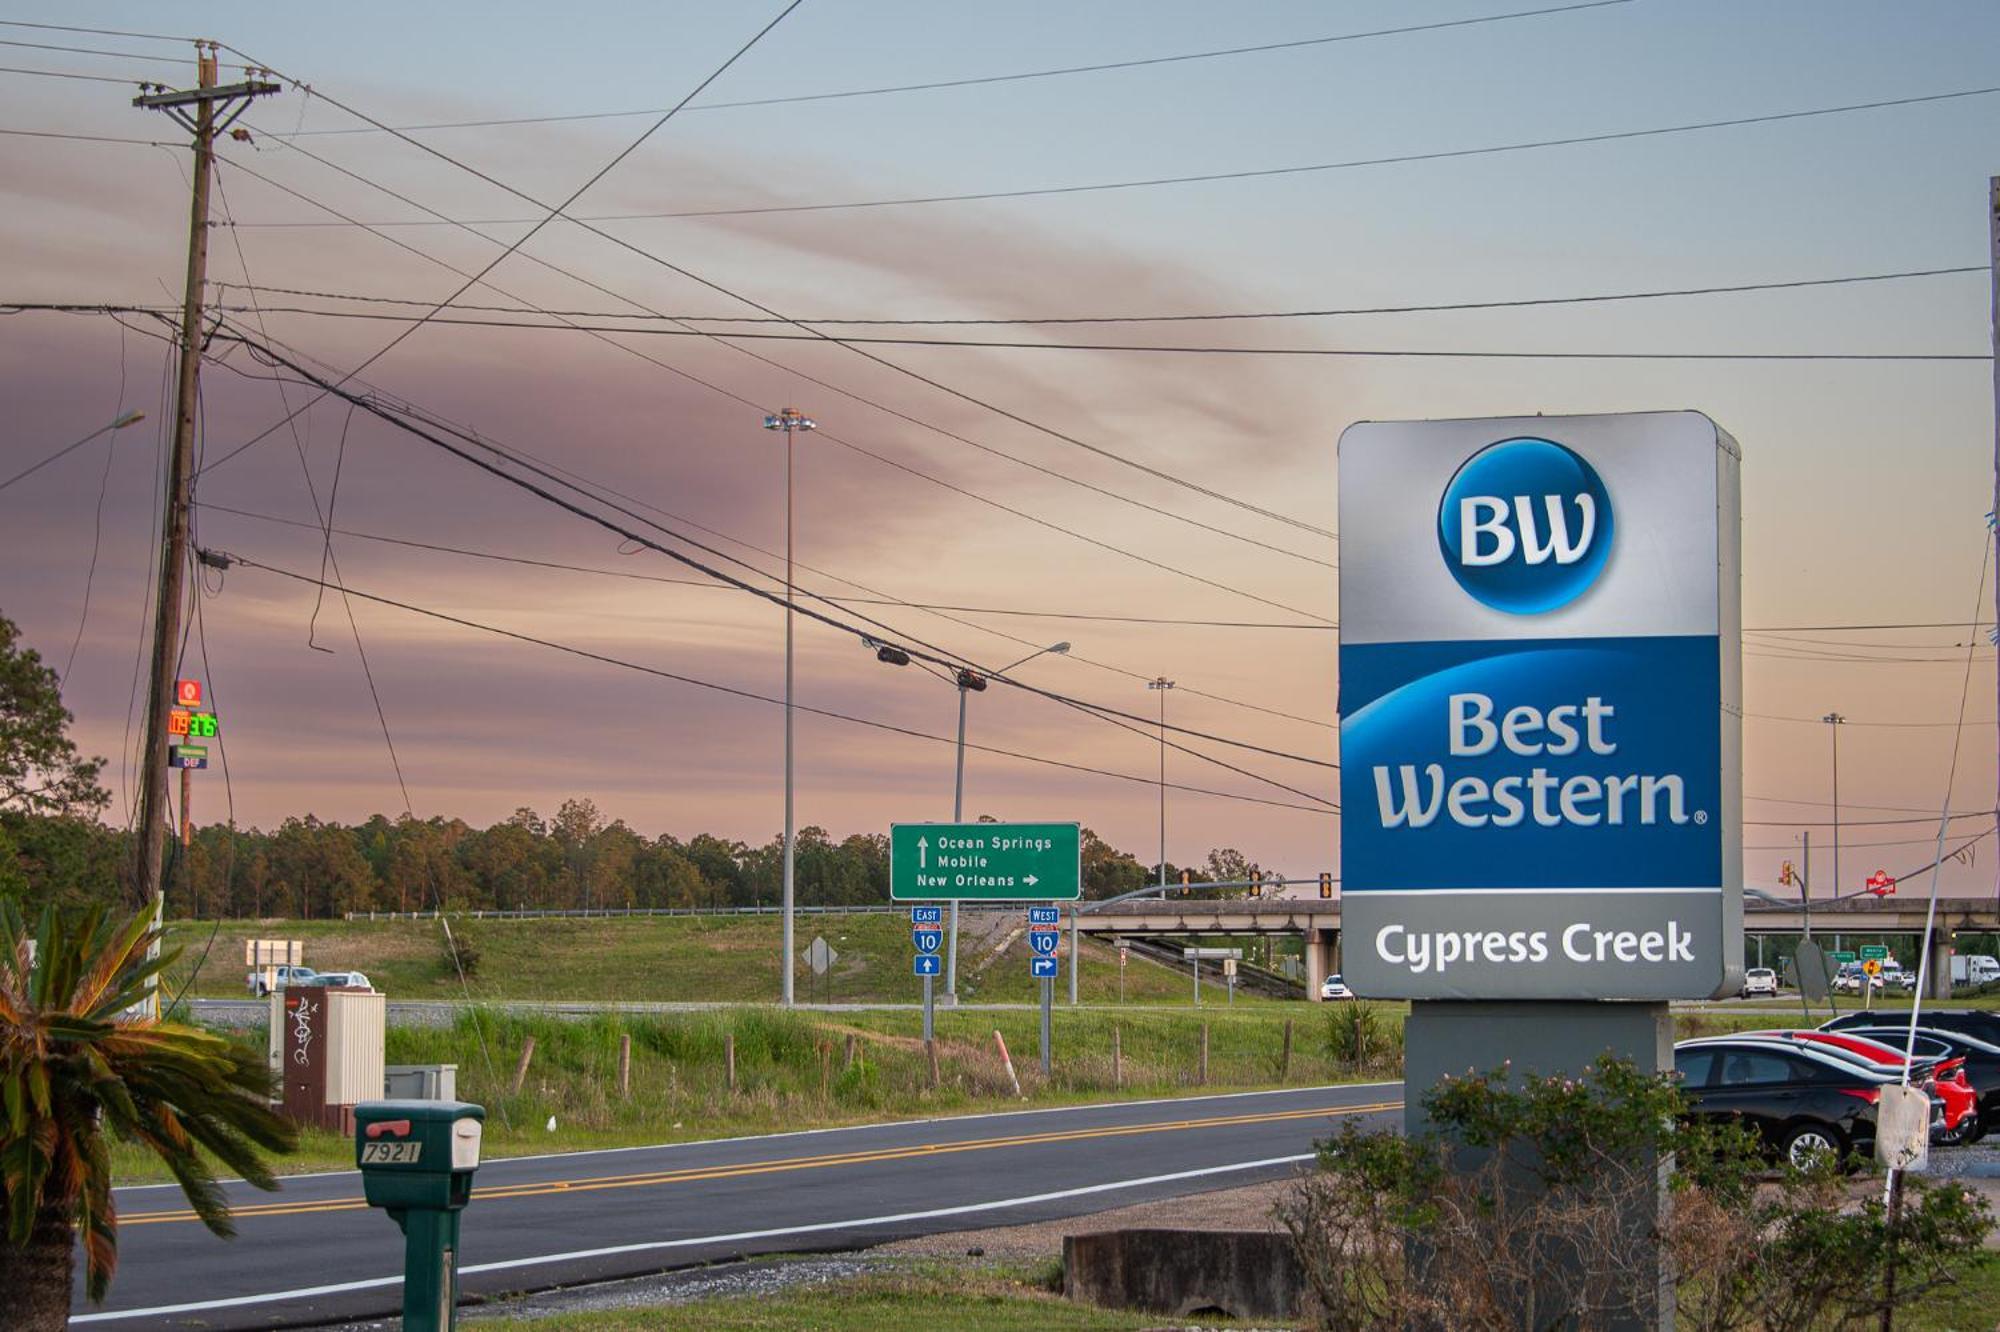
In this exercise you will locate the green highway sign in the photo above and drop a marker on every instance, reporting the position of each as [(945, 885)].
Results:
[(989, 862), (1877, 952), (1843, 957)]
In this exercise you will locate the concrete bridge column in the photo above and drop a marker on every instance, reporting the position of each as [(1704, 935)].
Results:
[(1315, 965), (1937, 977)]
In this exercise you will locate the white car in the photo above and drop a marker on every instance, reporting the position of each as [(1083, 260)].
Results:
[(352, 980), (1333, 987), (1760, 980)]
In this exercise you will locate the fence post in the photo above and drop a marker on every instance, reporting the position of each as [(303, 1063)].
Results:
[(930, 1052), (1201, 1079), (850, 1053), (625, 1065), (521, 1069), (1117, 1059), (1285, 1065), (1007, 1061), (729, 1059)]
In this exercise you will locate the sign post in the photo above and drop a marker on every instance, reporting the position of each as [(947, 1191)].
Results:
[(1044, 939), (1541, 736), (927, 934)]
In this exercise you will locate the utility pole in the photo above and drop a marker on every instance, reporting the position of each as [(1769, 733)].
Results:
[(1993, 248), (214, 110), (1834, 722), (791, 421), (1163, 684)]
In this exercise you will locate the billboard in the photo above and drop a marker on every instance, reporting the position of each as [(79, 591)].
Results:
[(1540, 708)]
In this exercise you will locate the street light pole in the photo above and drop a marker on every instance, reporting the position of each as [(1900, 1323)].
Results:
[(1162, 684), (790, 420), (967, 682), (1834, 722)]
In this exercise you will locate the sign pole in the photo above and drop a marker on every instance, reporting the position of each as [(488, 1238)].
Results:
[(928, 1033), (1048, 998)]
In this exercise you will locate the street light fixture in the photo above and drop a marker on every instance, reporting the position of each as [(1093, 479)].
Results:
[(1162, 684), (128, 418), (1834, 722), (791, 421)]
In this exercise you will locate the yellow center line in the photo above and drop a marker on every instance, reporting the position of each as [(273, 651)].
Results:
[(695, 1173)]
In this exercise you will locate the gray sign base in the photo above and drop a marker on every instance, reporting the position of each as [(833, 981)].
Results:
[(1539, 1037)]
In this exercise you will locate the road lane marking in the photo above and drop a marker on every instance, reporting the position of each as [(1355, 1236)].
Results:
[(870, 1124), (692, 1174), (816, 1227)]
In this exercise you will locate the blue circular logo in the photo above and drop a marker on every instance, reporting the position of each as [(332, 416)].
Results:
[(1525, 526)]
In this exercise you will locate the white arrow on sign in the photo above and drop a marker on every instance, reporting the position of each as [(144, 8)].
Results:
[(923, 850), (1030, 880)]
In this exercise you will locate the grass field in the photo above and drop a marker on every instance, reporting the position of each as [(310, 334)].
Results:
[(718, 959)]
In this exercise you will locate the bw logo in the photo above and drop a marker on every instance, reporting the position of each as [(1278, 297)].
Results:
[(1525, 526)]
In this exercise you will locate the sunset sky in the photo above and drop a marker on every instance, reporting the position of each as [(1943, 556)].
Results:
[(1865, 481)]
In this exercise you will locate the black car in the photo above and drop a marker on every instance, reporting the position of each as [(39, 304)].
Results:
[(1982, 1059), (1805, 1105), (1978, 1023)]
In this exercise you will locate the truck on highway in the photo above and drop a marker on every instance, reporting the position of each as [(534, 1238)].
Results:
[(266, 979), (1974, 969)]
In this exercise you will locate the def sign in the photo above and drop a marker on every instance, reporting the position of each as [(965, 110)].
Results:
[(1540, 708)]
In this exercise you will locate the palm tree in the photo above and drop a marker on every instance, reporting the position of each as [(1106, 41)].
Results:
[(77, 1068)]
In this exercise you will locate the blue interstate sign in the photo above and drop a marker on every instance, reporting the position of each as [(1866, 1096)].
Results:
[(1043, 942), (926, 915), (927, 941), (1042, 968), (926, 964), (1044, 915)]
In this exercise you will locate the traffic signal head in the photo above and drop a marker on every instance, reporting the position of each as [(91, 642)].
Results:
[(1326, 884), (1786, 874)]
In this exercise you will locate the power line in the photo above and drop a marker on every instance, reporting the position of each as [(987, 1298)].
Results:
[(1101, 67), (86, 138), (1016, 417), (95, 32), (570, 326), (93, 50), (68, 74), (824, 434), (378, 409), (1210, 177), (1211, 317), (764, 698)]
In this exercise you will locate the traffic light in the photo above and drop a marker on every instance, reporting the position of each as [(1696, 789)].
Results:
[(1786, 874), (1184, 883), (1257, 888), (1326, 883)]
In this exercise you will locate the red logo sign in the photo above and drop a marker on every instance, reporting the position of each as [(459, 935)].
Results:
[(399, 1127), (187, 693), (1881, 883)]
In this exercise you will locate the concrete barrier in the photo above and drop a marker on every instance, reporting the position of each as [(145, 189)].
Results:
[(1240, 1273)]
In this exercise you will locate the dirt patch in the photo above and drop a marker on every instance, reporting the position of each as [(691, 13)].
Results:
[(1247, 1207)]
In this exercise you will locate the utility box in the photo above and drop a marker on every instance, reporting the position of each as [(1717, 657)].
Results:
[(421, 1082), (328, 1043), (417, 1160)]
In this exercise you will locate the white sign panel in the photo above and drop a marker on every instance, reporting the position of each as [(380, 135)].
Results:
[(1540, 708)]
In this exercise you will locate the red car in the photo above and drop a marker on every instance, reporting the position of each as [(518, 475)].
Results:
[(1943, 1078)]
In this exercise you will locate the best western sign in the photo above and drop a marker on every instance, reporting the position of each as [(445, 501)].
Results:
[(1540, 708)]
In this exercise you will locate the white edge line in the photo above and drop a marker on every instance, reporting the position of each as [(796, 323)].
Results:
[(851, 1128), (574, 1255)]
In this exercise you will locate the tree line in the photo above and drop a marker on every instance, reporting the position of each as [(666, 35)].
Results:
[(55, 846)]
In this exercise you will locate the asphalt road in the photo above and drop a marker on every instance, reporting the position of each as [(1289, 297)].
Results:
[(315, 1253)]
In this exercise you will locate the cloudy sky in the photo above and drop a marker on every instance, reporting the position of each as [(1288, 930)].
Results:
[(1866, 481)]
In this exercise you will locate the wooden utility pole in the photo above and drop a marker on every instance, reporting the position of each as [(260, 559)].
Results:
[(1993, 253), (214, 109)]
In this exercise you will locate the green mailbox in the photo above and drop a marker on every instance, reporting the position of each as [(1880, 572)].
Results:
[(417, 1160)]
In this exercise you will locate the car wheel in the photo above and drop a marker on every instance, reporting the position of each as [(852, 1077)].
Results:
[(1809, 1144)]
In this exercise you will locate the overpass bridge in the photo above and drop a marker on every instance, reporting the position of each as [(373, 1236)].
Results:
[(1317, 920)]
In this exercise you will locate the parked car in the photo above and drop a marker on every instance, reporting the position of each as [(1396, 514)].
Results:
[(1981, 1069), (1979, 1023), (1333, 987), (1940, 1076), (264, 980), (1805, 1104), (1760, 980), (350, 979)]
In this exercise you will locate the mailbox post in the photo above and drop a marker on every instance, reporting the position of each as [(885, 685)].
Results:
[(417, 1159)]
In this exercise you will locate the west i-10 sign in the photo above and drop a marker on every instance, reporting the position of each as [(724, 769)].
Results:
[(987, 862)]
